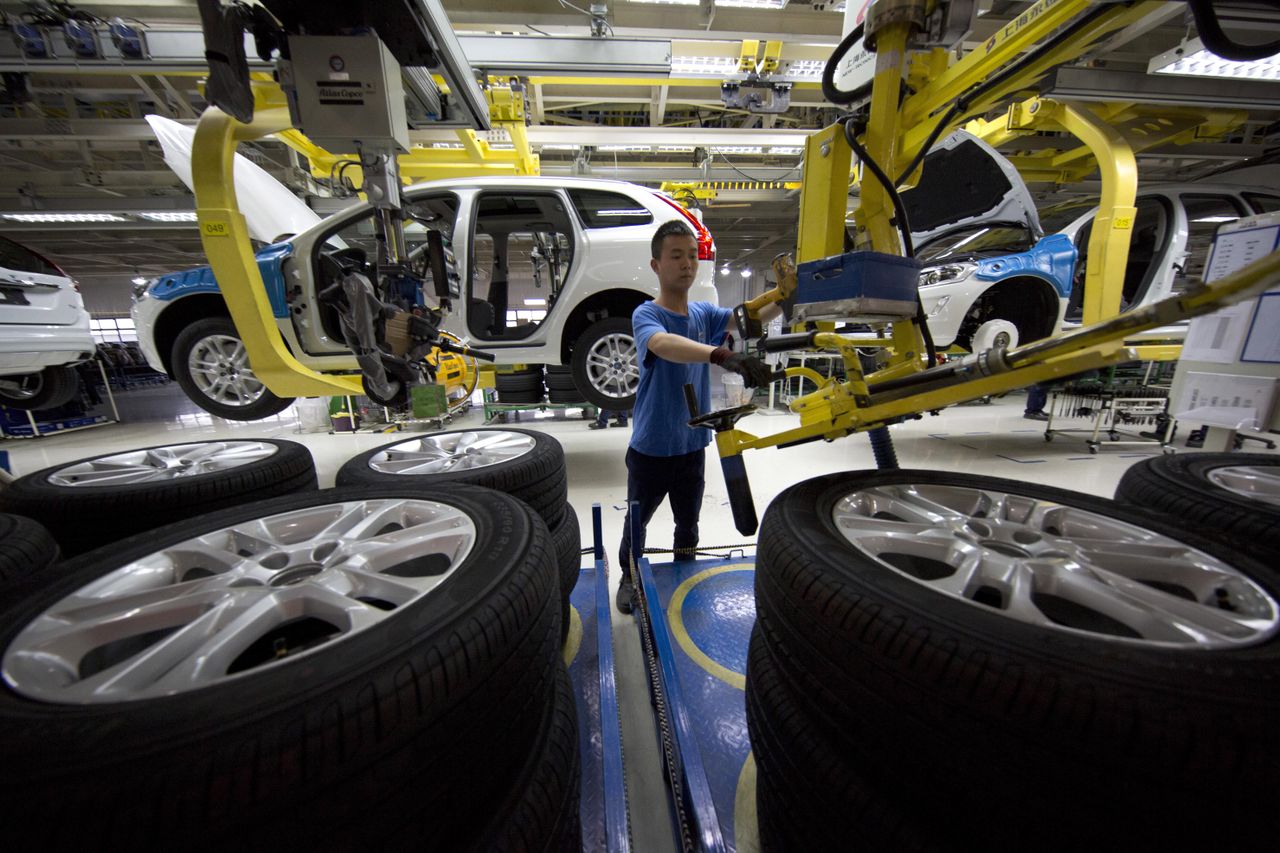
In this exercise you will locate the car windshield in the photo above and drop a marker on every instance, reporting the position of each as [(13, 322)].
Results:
[(1054, 219), (981, 241)]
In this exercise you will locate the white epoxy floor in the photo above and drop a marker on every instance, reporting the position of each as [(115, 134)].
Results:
[(991, 439)]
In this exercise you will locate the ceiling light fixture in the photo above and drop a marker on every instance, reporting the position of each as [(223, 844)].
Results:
[(537, 302), (644, 148), (739, 149), (64, 217), (790, 150), (1190, 59), (169, 216), (724, 270), (808, 69), (746, 273), (714, 65)]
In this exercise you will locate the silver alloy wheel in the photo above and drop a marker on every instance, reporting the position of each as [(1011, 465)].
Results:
[(443, 452), (613, 365), (1057, 567), (219, 367), (156, 464), (22, 387), (238, 599), (1256, 482)]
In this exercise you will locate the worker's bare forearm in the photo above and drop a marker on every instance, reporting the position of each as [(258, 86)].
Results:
[(679, 349)]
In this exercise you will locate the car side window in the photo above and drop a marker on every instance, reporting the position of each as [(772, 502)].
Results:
[(599, 209), (1263, 203), (1205, 213), (22, 259)]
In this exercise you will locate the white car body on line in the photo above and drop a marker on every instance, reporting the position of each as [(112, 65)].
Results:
[(580, 245), (44, 330)]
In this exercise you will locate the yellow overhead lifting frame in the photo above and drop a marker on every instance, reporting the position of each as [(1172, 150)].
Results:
[(895, 131)]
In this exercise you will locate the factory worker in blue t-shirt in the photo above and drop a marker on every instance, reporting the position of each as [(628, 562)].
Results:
[(676, 342)]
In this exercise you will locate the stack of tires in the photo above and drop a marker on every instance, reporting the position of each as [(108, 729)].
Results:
[(366, 665), (561, 387), (525, 464), (520, 387), (953, 662)]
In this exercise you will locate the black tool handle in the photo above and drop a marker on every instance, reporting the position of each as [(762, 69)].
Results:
[(783, 343), (740, 500), (691, 399), (461, 350)]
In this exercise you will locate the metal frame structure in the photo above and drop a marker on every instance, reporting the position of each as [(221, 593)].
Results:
[(897, 128)]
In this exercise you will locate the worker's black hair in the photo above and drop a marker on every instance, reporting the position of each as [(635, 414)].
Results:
[(673, 228)]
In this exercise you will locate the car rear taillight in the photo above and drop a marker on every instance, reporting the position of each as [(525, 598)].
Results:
[(706, 245)]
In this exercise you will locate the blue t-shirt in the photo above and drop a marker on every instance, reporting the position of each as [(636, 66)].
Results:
[(659, 426)]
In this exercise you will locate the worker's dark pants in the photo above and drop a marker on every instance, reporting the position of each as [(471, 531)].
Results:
[(1037, 396), (649, 480)]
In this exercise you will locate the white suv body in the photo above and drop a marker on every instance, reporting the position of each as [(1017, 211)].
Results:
[(578, 246), (44, 330), (996, 273)]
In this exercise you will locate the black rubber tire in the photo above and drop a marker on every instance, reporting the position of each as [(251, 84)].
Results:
[(560, 378), (582, 346), (520, 398), (801, 781), (84, 517), (542, 812), (264, 407), (26, 548), (567, 538), (1179, 485), (48, 389), (1096, 742), (565, 397), (537, 478), (414, 728), (519, 382)]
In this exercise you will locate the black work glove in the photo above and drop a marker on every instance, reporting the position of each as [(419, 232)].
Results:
[(754, 372)]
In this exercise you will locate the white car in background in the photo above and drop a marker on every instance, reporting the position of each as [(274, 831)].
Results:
[(539, 271), (997, 273), (44, 330)]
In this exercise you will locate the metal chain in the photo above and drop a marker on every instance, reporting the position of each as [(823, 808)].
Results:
[(664, 718)]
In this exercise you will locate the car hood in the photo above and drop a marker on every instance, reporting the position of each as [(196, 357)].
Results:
[(966, 181), (270, 209)]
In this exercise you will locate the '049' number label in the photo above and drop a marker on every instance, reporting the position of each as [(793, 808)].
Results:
[(215, 229)]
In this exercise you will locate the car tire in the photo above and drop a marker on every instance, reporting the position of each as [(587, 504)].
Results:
[(48, 389), (560, 378), (90, 502), (526, 464), (412, 725), (542, 812), (1232, 497), (519, 382), (520, 398), (1049, 704), (214, 342), (565, 398), (26, 548), (802, 784), (606, 366), (567, 537)]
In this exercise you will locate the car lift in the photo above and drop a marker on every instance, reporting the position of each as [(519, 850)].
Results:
[(897, 132)]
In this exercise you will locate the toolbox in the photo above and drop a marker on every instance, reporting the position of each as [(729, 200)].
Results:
[(863, 286)]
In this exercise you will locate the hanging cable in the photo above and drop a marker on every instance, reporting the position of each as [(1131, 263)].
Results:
[(1219, 43)]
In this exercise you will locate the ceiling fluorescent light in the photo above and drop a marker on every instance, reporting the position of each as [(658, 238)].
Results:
[(560, 147), (644, 148), (753, 4), (739, 149), (169, 216), (717, 65), (538, 302), (677, 149), (809, 69), (64, 217), (790, 150), (1190, 59)]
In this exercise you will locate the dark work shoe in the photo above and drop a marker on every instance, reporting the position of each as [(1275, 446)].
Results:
[(620, 423), (596, 425), (626, 597), (1035, 416)]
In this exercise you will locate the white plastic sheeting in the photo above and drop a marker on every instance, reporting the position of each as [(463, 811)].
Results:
[(269, 208)]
